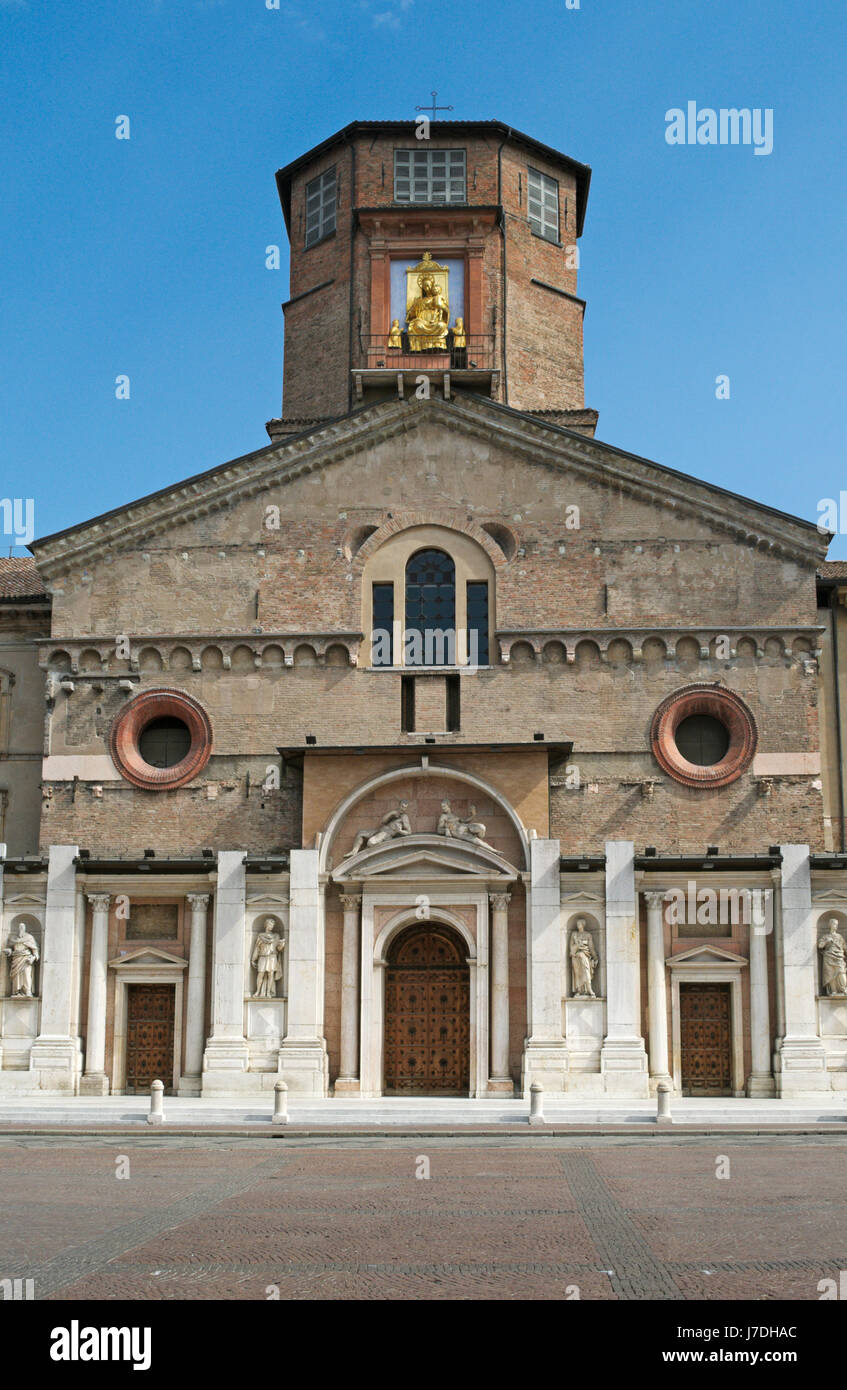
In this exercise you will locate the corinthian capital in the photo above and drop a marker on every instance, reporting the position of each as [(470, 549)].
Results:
[(99, 901), (198, 902), (655, 900)]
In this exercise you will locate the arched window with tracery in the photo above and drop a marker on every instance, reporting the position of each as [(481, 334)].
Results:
[(430, 631)]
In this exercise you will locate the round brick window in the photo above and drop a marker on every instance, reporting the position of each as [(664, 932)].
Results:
[(703, 736), (167, 727)]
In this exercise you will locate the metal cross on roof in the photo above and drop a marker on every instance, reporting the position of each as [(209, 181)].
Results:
[(434, 106)]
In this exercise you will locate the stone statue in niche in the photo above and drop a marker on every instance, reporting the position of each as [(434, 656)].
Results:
[(454, 827), (266, 957), (23, 953), (584, 961), (833, 959), (393, 823)]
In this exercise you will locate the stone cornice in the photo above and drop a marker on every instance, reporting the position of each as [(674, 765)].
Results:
[(538, 441)]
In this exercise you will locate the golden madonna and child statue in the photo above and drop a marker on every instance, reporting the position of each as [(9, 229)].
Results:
[(428, 311)]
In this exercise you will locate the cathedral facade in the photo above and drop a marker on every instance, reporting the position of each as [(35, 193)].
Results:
[(435, 748)]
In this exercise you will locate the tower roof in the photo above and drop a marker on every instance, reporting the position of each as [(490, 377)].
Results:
[(581, 172)]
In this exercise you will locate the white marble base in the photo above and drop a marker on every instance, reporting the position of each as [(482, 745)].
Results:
[(225, 1064), (304, 1067), (545, 1064), (800, 1068), (623, 1065), (94, 1084), (56, 1064)]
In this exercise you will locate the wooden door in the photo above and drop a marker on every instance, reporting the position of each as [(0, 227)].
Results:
[(706, 1036), (149, 1036), (427, 1014)]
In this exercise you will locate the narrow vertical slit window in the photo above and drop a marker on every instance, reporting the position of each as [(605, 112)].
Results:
[(454, 713), (382, 625), (407, 704), (477, 624)]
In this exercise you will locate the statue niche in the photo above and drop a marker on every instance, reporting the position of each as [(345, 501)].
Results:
[(428, 311)]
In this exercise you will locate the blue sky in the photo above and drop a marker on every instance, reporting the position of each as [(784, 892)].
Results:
[(147, 256)]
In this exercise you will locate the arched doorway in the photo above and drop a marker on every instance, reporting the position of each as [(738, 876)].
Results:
[(427, 1013)]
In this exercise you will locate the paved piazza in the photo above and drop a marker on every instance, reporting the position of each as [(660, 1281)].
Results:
[(507, 1218)]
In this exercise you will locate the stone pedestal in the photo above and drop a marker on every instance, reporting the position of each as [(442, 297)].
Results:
[(623, 1058), (56, 1056), (303, 1060), (801, 1061), (545, 1058)]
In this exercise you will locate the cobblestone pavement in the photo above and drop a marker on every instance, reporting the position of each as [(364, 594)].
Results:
[(549, 1218)]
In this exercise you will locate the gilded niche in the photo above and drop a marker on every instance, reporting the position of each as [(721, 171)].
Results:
[(427, 305)]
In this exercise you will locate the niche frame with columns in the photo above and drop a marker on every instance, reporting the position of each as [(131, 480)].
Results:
[(264, 1043)]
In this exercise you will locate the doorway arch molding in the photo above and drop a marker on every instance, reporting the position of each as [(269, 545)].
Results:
[(415, 770)]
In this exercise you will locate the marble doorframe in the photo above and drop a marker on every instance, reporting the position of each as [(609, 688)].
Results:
[(714, 971), (152, 968), (374, 960)]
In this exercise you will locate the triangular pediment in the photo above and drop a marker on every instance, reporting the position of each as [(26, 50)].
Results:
[(705, 955), (521, 436), (147, 956), (425, 857)]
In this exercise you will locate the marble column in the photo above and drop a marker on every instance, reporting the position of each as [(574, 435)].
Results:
[(545, 1058), (657, 997), (623, 1057), (226, 1058), (94, 1081), (760, 1081), (348, 1082), (56, 1054), (500, 1082), (303, 1061), (195, 1014), (801, 1061)]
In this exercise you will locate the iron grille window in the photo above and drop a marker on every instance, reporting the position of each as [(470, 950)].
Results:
[(543, 202), (382, 626), (478, 624), (430, 176), (430, 609), (320, 207)]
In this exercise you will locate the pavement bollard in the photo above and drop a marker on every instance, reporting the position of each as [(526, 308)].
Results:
[(536, 1104), (280, 1103), (663, 1104), (157, 1111)]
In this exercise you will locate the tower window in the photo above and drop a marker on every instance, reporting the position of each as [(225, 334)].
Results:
[(320, 207), (543, 202), (477, 624), (382, 626), (430, 176), (430, 609)]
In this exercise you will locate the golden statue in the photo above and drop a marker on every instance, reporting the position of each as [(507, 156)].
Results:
[(394, 339), (459, 339), (428, 313)]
